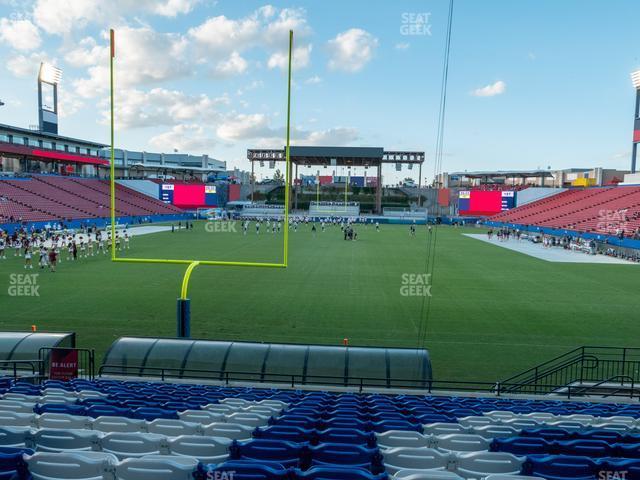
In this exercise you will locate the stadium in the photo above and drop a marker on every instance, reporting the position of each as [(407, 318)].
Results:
[(346, 316)]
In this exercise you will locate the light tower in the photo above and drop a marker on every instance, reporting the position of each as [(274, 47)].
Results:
[(635, 78), (48, 76)]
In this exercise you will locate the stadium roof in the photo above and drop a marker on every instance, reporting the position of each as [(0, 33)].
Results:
[(51, 136), (340, 156), (504, 173), (171, 167)]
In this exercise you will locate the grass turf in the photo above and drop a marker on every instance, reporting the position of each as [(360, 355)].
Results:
[(494, 312)]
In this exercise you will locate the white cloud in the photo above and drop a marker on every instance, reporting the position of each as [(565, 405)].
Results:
[(87, 52), (221, 35), (334, 136), (143, 56), (313, 80), (173, 8), (23, 66), (20, 34), (162, 107), (256, 127), (218, 37), (490, 90), (402, 45), (244, 126), (301, 58), (351, 50), (60, 18), (68, 103), (234, 65), (187, 138)]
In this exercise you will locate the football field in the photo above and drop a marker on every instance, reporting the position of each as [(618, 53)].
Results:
[(493, 312)]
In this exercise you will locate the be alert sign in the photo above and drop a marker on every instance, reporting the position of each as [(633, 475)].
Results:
[(64, 364)]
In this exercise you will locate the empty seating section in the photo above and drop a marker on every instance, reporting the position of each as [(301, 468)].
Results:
[(598, 210), (50, 198), (145, 430)]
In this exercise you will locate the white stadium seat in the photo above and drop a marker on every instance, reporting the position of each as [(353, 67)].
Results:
[(442, 428), (20, 397), (477, 421), (15, 436), (118, 424), (12, 419), (501, 415), (273, 403), (481, 464), (496, 431), (233, 431), (71, 466), (402, 438), (426, 475), (503, 476), (63, 420), (401, 458), (156, 468), (522, 423), (222, 409), (460, 442), (203, 417), (262, 410), (51, 440), (205, 449), (240, 402), (173, 428), (16, 406), (248, 419), (126, 445)]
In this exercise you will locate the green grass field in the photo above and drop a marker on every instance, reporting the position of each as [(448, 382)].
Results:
[(494, 312)]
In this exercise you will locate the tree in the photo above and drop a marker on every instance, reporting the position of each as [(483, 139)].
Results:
[(278, 176)]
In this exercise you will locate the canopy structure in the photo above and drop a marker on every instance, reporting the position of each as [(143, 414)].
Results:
[(268, 362), (374, 157), (26, 345)]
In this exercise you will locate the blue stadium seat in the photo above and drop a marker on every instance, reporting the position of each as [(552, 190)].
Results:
[(71, 409), (345, 435), (586, 448), (521, 445), (108, 410), (12, 465), (285, 432), (344, 455), (151, 413), (328, 473), (244, 471), (267, 452), (560, 467)]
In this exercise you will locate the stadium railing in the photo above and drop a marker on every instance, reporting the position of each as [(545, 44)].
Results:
[(625, 390)]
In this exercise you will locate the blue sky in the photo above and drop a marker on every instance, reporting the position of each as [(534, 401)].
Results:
[(532, 83)]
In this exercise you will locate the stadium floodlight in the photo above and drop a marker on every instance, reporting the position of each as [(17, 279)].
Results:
[(49, 74), (635, 78)]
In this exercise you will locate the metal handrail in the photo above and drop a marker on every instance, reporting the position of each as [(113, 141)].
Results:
[(585, 389), (29, 363), (292, 380)]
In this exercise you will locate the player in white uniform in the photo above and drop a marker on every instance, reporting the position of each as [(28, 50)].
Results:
[(17, 245), (27, 257), (126, 240), (3, 245)]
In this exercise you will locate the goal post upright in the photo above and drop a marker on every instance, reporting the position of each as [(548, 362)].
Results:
[(184, 303)]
